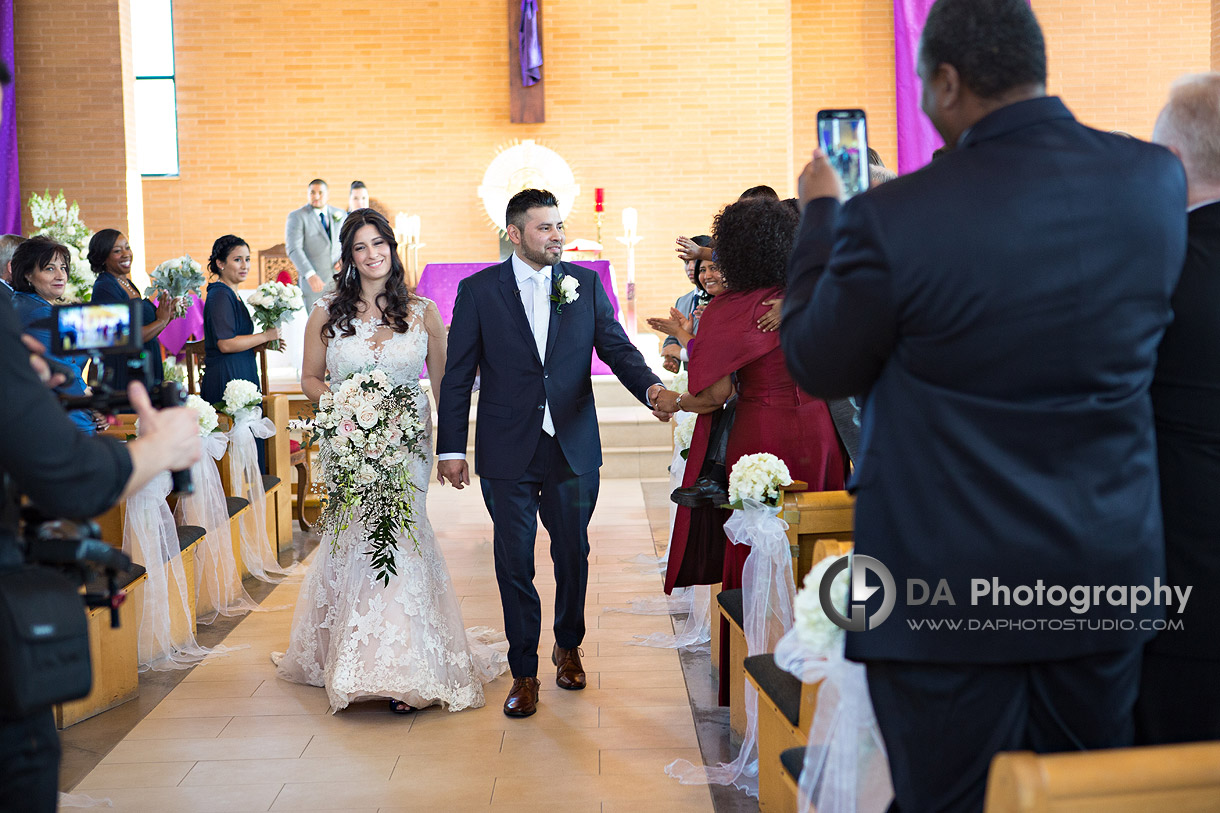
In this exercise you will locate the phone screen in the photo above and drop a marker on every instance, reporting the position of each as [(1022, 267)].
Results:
[(106, 328), (843, 136)]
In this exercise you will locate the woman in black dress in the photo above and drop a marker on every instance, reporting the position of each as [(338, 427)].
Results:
[(229, 340), (110, 258)]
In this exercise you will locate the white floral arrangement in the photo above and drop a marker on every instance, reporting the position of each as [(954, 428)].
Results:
[(680, 382), (54, 217), (240, 395), (684, 432), (272, 303), (369, 432), (566, 291), (813, 628), (176, 278), (209, 422), (757, 477)]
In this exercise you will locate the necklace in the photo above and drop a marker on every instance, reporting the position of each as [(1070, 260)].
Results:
[(127, 284)]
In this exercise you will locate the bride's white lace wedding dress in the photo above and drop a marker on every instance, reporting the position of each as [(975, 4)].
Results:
[(405, 641)]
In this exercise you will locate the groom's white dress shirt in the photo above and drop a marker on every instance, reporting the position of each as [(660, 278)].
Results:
[(535, 288)]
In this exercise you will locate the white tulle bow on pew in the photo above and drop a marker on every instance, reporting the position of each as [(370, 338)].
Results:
[(768, 592), (845, 761), (150, 538), (217, 575), (256, 549)]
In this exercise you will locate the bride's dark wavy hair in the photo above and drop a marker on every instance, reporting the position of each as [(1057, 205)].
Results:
[(393, 300)]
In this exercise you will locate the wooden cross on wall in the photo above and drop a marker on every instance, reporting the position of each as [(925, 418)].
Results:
[(526, 104)]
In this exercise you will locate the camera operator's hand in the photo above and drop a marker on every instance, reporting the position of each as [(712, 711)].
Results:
[(41, 368), (168, 441)]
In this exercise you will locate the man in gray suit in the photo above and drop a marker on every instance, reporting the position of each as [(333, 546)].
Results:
[(312, 238)]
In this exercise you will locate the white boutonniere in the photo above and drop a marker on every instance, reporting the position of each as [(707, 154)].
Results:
[(566, 291), (336, 216)]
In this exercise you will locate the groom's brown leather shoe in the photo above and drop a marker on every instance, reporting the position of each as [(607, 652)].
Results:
[(569, 674), (522, 698)]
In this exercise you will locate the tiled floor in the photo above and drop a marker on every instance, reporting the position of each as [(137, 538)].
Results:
[(232, 737)]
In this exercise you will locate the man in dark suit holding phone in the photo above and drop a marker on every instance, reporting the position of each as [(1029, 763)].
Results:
[(529, 327), (1002, 309)]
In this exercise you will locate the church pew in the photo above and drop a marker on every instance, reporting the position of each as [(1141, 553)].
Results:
[(1182, 778), (811, 516), (114, 657)]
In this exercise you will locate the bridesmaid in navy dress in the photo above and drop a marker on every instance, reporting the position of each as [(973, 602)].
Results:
[(110, 258), (229, 341)]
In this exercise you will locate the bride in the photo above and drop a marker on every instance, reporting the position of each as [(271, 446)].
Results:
[(351, 633)]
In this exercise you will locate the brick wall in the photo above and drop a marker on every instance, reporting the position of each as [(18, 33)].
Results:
[(674, 107), (73, 85), (1216, 35), (843, 56), (1112, 61)]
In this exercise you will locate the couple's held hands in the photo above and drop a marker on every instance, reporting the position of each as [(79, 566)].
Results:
[(818, 180), (457, 472), (667, 403)]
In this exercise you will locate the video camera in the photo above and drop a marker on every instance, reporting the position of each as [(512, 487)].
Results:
[(112, 330)]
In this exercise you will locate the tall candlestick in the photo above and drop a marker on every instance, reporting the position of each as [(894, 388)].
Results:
[(599, 199), (629, 239)]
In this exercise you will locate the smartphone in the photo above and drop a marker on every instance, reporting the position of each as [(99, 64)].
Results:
[(111, 327), (843, 136)]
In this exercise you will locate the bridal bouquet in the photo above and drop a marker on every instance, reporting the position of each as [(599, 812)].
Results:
[(240, 395), (368, 434), (273, 302), (757, 477), (177, 278)]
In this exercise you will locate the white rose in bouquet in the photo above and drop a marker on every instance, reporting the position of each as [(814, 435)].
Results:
[(177, 278), (366, 475), (273, 303), (757, 477), (684, 431)]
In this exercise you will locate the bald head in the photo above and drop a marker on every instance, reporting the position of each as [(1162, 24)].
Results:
[(1190, 126)]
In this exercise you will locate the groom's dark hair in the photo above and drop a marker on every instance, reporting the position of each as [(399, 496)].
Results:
[(525, 200)]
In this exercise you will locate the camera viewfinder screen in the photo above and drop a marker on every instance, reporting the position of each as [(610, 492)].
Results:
[(93, 327), (846, 146)]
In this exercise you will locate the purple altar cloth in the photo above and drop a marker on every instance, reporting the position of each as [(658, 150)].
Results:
[(439, 282), (180, 331)]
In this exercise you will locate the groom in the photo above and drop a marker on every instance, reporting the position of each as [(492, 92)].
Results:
[(529, 327)]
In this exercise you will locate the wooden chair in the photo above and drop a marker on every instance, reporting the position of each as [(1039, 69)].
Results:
[(194, 362), (1181, 778)]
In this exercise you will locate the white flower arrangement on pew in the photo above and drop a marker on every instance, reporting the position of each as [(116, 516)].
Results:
[(272, 303), (369, 431), (684, 432), (812, 627), (209, 421), (757, 477), (176, 278), (240, 395)]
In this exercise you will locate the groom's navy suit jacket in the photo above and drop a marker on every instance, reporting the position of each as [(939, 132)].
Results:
[(490, 334), (1002, 309)]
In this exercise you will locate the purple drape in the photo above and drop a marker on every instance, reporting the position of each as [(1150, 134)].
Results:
[(529, 46), (10, 182), (916, 136)]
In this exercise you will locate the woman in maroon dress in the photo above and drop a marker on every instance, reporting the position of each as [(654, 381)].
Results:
[(752, 238)]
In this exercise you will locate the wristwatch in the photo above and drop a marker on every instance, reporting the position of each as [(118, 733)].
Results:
[(678, 401)]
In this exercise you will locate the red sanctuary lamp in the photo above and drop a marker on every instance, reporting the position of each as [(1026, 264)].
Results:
[(599, 206)]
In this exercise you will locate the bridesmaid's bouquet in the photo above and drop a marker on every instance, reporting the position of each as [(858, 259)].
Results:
[(176, 278), (272, 303), (369, 431)]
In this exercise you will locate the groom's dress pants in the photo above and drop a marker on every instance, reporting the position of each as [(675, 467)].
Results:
[(565, 501)]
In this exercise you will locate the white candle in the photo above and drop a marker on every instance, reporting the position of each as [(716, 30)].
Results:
[(400, 224), (631, 219)]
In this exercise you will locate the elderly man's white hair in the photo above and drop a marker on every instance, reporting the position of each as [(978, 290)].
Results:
[(1190, 126)]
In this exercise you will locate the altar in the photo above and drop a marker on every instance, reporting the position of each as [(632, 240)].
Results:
[(439, 282)]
